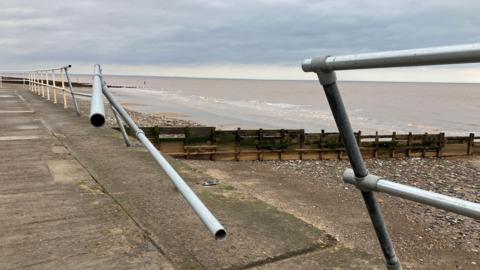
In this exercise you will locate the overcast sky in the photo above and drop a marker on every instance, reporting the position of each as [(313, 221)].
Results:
[(247, 39)]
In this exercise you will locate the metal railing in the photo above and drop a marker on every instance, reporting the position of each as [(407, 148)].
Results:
[(325, 67), (43, 82), (97, 118)]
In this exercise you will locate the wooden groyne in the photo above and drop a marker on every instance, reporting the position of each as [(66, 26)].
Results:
[(289, 144)]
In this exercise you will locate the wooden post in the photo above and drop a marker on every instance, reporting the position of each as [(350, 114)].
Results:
[(237, 145), (186, 131), (359, 141), (186, 142), (156, 133), (260, 140), (213, 139), (212, 142), (359, 138), (375, 151), (424, 141), (470, 144), (392, 149), (302, 142), (409, 143), (320, 153), (440, 144), (282, 135)]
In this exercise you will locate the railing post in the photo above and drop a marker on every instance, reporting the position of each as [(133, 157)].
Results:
[(47, 85), (54, 87), (35, 80), (30, 85), (64, 90), (74, 100), (40, 75), (328, 81), (39, 86), (33, 83), (122, 127)]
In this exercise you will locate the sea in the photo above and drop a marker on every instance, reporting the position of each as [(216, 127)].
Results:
[(453, 108)]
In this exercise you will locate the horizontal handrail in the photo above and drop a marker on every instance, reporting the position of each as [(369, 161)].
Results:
[(35, 70), (377, 183), (459, 54)]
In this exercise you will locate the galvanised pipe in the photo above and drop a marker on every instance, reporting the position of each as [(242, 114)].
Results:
[(469, 53), (377, 183), (74, 100), (197, 205), (97, 109), (328, 80), (122, 128)]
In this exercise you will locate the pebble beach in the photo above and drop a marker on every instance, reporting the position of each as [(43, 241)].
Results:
[(431, 229)]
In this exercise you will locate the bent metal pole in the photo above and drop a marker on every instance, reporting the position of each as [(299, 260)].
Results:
[(197, 205), (328, 80), (97, 109)]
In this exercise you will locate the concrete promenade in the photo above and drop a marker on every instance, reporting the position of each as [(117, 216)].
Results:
[(74, 197)]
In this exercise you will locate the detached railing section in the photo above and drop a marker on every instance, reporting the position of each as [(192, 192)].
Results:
[(97, 118), (324, 67)]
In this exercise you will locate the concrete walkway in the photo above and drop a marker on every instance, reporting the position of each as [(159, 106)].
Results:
[(52, 213), (74, 197)]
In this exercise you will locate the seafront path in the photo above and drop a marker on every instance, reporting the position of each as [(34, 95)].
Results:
[(74, 197)]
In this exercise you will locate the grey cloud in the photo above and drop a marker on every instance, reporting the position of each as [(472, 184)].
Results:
[(206, 31)]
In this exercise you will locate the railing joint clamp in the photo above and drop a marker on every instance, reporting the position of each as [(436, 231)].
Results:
[(366, 183)]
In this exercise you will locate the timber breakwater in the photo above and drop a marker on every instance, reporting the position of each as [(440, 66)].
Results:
[(288, 144)]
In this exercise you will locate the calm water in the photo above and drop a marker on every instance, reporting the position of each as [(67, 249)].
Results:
[(373, 106)]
